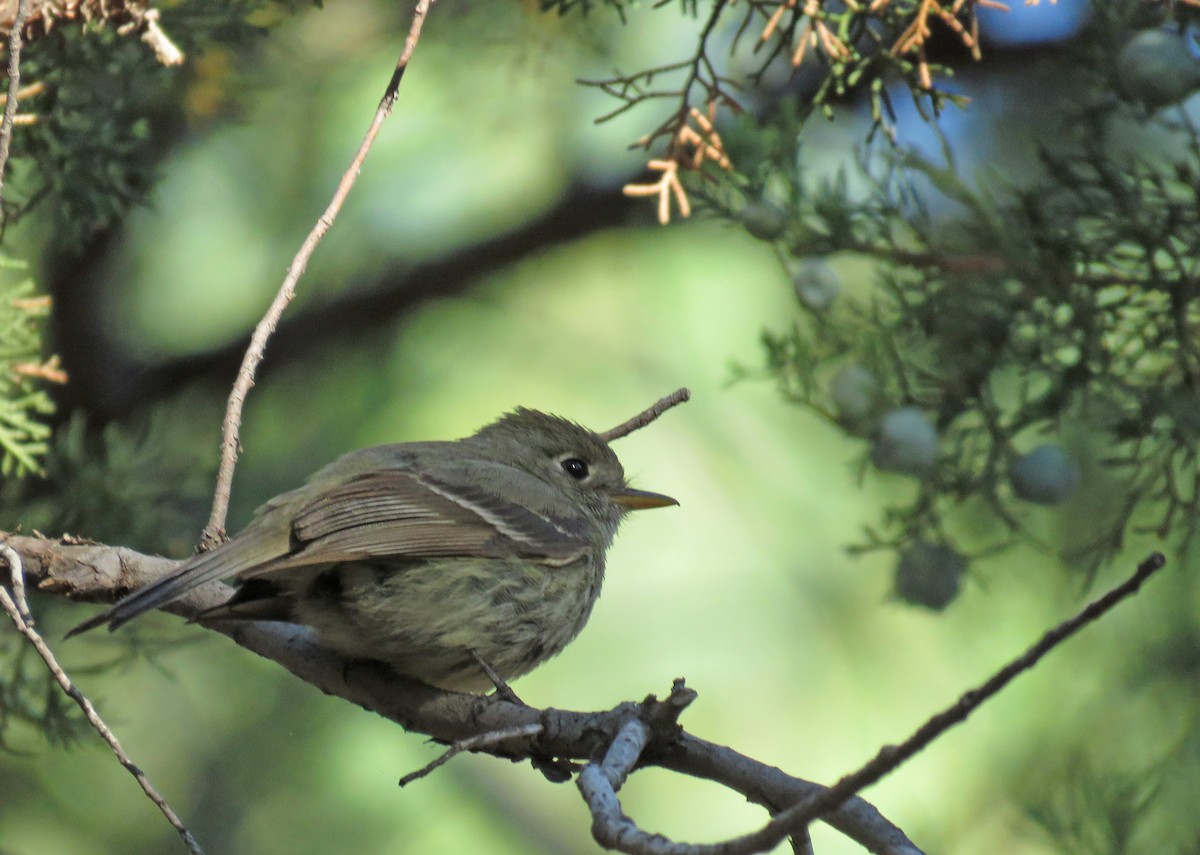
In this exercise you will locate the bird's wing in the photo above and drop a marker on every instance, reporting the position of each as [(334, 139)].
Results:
[(372, 515), (419, 516)]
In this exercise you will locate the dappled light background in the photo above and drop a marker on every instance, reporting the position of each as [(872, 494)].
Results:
[(800, 655)]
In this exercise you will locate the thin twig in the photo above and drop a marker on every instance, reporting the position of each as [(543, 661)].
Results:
[(483, 740), (615, 830), (16, 577), (18, 611), (890, 757), (773, 789), (647, 415), (214, 532), (14, 85)]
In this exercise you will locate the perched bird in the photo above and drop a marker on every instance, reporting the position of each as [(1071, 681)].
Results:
[(430, 556)]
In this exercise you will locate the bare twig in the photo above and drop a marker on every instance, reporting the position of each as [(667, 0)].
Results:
[(18, 611), (483, 740), (647, 415), (14, 86), (688, 147), (599, 783), (634, 89), (615, 830), (16, 577), (214, 531), (890, 757)]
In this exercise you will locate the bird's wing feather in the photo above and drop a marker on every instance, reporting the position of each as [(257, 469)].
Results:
[(402, 513), (373, 515)]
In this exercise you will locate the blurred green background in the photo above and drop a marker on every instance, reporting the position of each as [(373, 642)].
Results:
[(800, 656)]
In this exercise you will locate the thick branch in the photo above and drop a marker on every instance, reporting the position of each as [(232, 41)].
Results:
[(109, 383), (626, 736), (93, 572)]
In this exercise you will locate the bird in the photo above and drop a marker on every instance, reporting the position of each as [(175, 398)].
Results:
[(443, 560)]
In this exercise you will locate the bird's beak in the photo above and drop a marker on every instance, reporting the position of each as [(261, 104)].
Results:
[(637, 500)]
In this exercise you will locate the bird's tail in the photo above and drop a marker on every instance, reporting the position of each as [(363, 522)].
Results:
[(223, 561)]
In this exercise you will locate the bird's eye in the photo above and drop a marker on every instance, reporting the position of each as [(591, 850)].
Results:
[(575, 467)]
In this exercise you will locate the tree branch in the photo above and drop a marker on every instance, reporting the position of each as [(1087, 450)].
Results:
[(890, 757), (18, 612), (551, 738), (647, 415), (109, 383), (214, 532)]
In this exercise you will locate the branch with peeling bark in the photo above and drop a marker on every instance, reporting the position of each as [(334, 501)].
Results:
[(555, 740), (610, 743)]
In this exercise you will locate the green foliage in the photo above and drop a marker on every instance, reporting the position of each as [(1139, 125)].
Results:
[(143, 485), (851, 47), (1071, 301), (582, 7), (24, 404), (29, 696), (862, 47), (1096, 811), (1066, 306), (92, 155), (105, 112)]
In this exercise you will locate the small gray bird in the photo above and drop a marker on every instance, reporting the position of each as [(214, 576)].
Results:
[(426, 555)]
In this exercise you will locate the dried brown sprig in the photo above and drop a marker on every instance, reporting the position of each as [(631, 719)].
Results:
[(912, 40), (813, 32), (664, 188), (695, 142), (792, 28), (50, 370), (128, 16)]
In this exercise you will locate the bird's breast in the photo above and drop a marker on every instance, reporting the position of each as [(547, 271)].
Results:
[(425, 617)]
